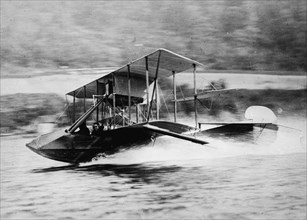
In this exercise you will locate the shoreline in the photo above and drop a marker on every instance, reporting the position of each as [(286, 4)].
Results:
[(106, 70), (60, 84)]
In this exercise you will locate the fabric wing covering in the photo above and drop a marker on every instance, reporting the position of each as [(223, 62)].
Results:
[(169, 62)]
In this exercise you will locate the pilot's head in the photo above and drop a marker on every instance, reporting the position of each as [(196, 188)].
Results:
[(95, 126)]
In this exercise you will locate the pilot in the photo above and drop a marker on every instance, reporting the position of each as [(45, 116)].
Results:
[(101, 127), (83, 130), (97, 130)]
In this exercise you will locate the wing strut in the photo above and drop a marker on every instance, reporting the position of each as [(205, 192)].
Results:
[(155, 85)]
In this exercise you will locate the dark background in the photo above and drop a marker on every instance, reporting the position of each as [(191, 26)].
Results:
[(222, 34)]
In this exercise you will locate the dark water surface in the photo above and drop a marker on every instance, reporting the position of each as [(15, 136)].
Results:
[(177, 181)]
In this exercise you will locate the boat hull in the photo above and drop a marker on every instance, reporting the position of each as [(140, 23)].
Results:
[(74, 148)]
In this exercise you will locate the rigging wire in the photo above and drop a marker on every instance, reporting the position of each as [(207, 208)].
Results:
[(212, 86), (64, 111), (142, 113), (181, 92), (169, 116)]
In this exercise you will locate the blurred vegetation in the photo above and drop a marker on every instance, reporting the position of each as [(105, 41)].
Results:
[(224, 35), (20, 110)]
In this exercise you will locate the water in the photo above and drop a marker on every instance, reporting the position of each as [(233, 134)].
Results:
[(170, 180)]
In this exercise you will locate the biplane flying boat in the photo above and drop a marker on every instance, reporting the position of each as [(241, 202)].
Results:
[(126, 104)]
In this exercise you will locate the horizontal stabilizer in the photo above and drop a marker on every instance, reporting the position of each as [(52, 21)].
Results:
[(173, 134), (258, 116), (207, 94), (245, 124), (233, 123)]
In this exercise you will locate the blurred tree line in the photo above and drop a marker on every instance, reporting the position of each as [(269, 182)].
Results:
[(224, 35)]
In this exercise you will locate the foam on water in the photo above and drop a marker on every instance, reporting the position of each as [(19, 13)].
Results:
[(169, 149)]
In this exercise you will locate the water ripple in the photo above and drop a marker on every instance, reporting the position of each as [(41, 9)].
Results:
[(239, 187)]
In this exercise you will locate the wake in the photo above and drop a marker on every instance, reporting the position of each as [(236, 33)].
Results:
[(171, 150)]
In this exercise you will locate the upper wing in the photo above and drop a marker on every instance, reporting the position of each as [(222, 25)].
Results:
[(166, 61)]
